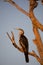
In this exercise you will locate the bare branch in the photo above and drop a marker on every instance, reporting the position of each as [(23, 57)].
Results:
[(36, 26), (9, 36), (18, 7), (13, 41), (38, 42), (21, 49), (36, 56), (33, 5), (37, 35), (35, 21)]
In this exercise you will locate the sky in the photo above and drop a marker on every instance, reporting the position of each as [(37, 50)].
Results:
[(11, 18)]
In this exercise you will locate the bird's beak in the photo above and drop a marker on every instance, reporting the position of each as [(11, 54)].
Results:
[(17, 28)]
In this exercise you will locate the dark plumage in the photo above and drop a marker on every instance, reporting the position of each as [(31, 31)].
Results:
[(24, 43)]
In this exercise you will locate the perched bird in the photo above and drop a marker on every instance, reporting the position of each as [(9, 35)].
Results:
[(23, 41)]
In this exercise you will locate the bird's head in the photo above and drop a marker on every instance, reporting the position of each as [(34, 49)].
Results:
[(21, 31)]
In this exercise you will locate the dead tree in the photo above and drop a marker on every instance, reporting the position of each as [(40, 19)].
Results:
[(36, 25)]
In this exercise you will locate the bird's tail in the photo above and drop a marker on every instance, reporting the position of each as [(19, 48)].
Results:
[(26, 57)]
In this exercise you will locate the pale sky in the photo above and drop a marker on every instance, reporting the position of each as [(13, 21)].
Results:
[(11, 18)]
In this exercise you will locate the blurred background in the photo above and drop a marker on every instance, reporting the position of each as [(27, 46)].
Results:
[(11, 18)]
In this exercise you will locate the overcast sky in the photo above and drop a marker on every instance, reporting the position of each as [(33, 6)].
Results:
[(11, 18)]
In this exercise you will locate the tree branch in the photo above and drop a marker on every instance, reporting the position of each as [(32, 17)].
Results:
[(13, 41), (37, 37), (36, 26), (21, 49), (18, 7), (36, 56), (38, 42), (33, 5), (35, 21)]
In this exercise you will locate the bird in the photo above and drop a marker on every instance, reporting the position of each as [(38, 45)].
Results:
[(23, 41)]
